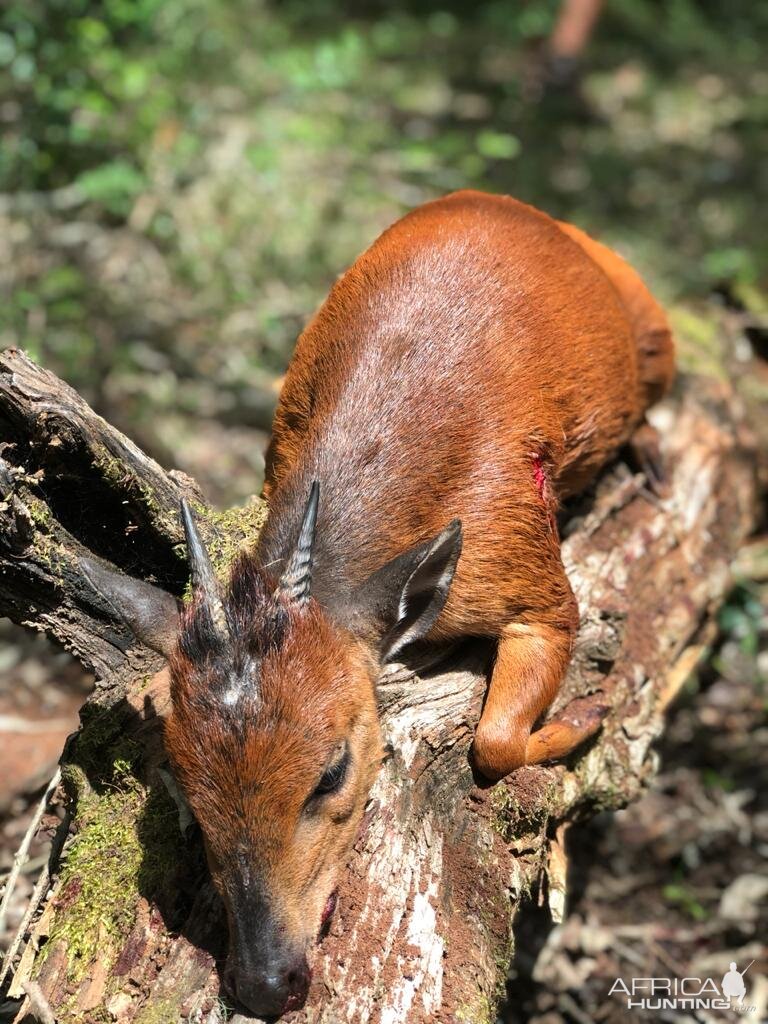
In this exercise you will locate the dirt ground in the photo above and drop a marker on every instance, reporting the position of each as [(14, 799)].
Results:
[(41, 690)]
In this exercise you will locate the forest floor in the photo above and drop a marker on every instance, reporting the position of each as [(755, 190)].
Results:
[(676, 884)]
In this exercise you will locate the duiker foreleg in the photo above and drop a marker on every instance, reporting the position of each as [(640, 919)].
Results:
[(530, 665)]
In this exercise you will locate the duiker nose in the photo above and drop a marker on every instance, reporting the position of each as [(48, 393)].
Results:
[(272, 990)]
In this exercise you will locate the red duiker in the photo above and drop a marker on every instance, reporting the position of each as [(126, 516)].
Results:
[(477, 364)]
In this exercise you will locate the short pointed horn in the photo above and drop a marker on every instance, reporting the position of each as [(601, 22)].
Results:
[(201, 572), (296, 582)]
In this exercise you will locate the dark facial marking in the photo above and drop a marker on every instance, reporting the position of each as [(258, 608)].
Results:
[(258, 626)]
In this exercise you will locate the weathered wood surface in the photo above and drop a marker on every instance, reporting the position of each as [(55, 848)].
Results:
[(424, 927)]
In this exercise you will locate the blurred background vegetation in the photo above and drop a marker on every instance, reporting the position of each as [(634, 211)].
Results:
[(182, 180)]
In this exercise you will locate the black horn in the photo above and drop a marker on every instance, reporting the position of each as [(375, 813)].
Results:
[(296, 581), (204, 582)]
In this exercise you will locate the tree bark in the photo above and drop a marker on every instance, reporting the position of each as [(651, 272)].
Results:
[(441, 864)]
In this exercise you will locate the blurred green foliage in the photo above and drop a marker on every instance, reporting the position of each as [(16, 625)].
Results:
[(182, 179), (88, 83), (685, 899), (744, 617)]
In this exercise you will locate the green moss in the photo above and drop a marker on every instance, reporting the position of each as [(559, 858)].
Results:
[(227, 533), (99, 1015), (164, 1011), (479, 1011), (75, 783), (101, 743), (503, 805), (752, 298), (511, 820), (98, 882), (38, 510), (115, 472), (698, 340), (503, 811), (51, 554), (502, 959), (127, 842), (38, 520), (111, 469), (145, 681), (232, 530)]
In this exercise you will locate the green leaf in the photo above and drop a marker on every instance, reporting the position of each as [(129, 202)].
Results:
[(497, 145), (115, 185)]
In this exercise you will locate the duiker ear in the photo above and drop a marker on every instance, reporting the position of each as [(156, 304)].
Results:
[(400, 602), (150, 613)]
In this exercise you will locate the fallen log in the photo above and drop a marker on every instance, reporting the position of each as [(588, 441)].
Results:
[(130, 928)]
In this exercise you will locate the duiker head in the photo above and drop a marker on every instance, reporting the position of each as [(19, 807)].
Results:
[(274, 734)]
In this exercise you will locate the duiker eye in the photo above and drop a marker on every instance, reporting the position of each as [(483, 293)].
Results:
[(333, 776)]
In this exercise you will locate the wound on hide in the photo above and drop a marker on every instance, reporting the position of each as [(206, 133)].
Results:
[(542, 486)]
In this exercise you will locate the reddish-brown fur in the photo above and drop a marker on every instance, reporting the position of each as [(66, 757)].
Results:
[(475, 340), (480, 362), (248, 785), (248, 768)]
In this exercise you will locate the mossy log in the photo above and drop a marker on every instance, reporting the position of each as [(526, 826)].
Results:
[(131, 929)]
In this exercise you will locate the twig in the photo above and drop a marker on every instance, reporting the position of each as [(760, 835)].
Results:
[(34, 902), (23, 851), (41, 887), (669, 961), (38, 1004), (27, 869), (569, 1004)]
